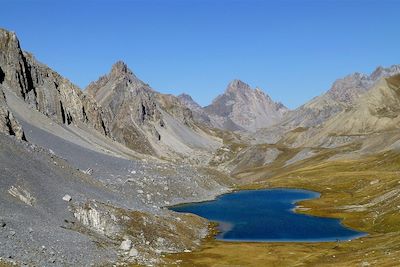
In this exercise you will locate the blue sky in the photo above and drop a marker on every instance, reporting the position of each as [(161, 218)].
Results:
[(293, 50)]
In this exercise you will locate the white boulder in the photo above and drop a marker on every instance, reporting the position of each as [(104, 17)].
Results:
[(126, 245), (67, 198)]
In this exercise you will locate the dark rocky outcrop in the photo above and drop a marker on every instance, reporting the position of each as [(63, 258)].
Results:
[(8, 124), (1, 76)]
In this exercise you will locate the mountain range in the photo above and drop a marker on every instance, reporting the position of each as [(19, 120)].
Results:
[(96, 168)]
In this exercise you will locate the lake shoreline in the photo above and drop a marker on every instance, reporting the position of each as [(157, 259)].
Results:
[(219, 231)]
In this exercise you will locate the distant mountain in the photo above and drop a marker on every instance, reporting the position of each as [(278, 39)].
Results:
[(343, 93), (145, 120), (100, 166), (376, 111), (243, 108), (198, 112), (189, 102)]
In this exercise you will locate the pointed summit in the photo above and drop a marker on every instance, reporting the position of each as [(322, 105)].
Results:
[(185, 96), (237, 86), (120, 67), (198, 112), (242, 108), (121, 70), (188, 101), (236, 83), (120, 78)]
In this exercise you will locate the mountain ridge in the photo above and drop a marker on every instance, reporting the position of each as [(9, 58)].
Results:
[(97, 168), (146, 120), (342, 94)]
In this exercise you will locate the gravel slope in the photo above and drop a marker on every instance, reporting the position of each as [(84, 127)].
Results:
[(115, 196)]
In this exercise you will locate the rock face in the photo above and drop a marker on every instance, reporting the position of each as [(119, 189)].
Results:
[(42, 88), (145, 120), (244, 108), (8, 124), (114, 92)]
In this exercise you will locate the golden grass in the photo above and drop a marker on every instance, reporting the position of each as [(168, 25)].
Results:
[(3, 264), (361, 192)]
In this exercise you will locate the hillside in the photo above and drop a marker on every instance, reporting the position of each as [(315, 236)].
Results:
[(72, 181), (88, 175), (343, 94)]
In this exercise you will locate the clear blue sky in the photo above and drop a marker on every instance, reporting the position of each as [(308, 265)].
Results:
[(293, 50)]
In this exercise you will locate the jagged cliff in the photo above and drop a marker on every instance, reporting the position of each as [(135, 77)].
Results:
[(97, 196), (70, 182), (44, 89)]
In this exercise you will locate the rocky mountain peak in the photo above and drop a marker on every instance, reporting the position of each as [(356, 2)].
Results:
[(237, 86), (14, 67), (8, 37), (120, 68), (244, 108), (347, 89), (281, 106), (198, 112), (120, 80), (381, 72), (185, 97), (242, 89), (143, 119), (188, 101)]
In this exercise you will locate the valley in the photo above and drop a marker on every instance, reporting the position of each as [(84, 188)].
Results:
[(361, 192), (87, 175)]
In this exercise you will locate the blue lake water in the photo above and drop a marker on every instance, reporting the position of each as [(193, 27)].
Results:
[(267, 216)]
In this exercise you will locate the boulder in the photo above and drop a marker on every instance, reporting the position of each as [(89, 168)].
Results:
[(133, 252), (67, 198), (126, 245)]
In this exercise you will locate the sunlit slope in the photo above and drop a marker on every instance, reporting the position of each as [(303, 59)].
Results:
[(364, 192)]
